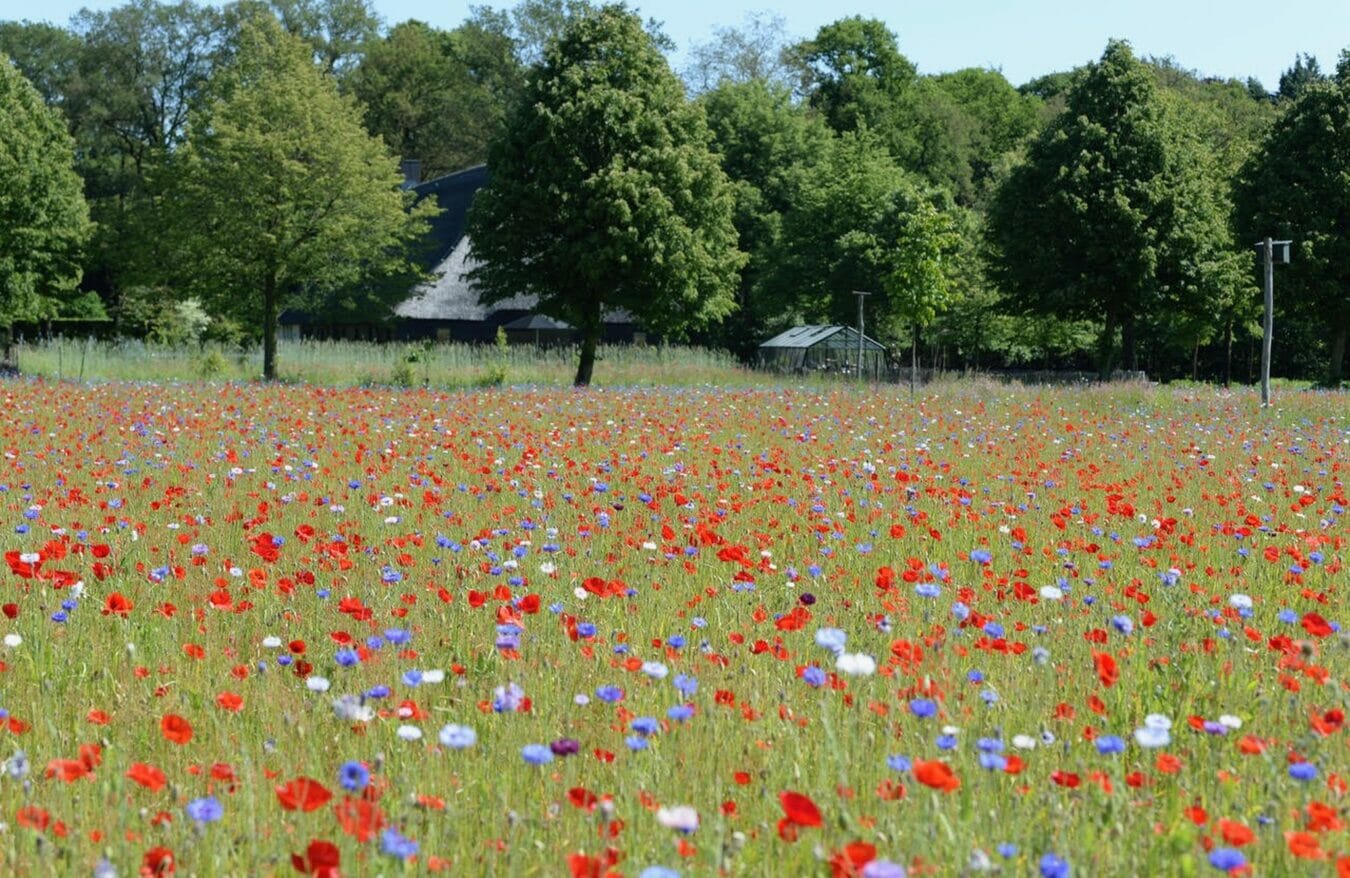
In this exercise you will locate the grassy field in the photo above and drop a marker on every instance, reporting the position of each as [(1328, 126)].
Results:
[(257, 630), (345, 364)]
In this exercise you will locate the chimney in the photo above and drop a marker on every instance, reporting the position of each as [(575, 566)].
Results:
[(412, 172)]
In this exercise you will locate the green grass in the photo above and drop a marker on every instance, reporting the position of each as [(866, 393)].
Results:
[(695, 485), (345, 364)]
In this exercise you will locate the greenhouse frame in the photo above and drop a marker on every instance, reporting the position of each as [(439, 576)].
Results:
[(831, 350)]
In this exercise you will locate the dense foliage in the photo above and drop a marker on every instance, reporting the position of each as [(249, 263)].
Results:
[(605, 193), (1140, 256), (43, 218)]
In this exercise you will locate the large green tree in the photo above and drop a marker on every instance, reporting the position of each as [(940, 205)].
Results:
[(279, 195), (43, 217), (767, 145), (438, 96), (1076, 229), (605, 193), (1297, 186)]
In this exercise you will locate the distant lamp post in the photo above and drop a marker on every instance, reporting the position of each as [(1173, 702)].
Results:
[(1273, 252), (861, 294)]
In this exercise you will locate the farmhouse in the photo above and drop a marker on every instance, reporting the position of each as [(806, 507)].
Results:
[(447, 306)]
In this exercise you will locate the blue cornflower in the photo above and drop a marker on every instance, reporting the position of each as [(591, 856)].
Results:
[(923, 708), (395, 844), (680, 712), (536, 754), (686, 684), (1108, 744), (1053, 866), (928, 590), (646, 725), (609, 694), (1303, 771), (898, 763), (346, 657), (981, 556), (813, 676), (1227, 859), (946, 742), (1007, 850), (205, 810), (353, 776)]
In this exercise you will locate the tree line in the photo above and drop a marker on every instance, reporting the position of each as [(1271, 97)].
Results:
[(182, 168)]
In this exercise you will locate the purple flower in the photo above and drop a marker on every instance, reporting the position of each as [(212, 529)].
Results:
[(1227, 859), (565, 747)]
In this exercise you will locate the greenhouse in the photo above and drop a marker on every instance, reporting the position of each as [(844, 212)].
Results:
[(833, 350)]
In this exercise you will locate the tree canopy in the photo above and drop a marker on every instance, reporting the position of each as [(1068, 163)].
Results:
[(279, 194), (43, 218), (604, 191), (1295, 187)]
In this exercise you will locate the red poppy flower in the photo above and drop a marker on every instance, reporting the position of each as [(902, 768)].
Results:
[(1235, 834), (321, 860), (117, 604), (33, 817), (1304, 845), (849, 862), (304, 794), (1107, 671), (936, 774), (147, 776), (158, 861), (230, 701), (176, 729), (1315, 625), (799, 809), (360, 819)]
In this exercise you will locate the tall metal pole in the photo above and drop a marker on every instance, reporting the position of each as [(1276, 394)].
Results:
[(1268, 250), (860, 294)]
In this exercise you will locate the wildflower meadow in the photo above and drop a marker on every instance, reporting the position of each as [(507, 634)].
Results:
[(280, 630)]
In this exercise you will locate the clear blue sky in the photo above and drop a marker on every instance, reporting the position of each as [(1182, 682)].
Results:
[(1024, 38)]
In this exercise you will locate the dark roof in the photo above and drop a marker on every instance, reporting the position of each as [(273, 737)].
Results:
[(453, 193), (538, 322), (824, 336)]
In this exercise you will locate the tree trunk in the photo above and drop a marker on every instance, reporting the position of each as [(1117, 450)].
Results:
[(590, 340), (1228, 352), (1129, 349), (914, 361), (1195, 362), (1106, 348), (1335, 367), (9, 360), (270, 329)]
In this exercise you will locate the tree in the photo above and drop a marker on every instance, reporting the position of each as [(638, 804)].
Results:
[(1295, 80), (840, 236), (918, 286), (437, 96), (605, 193), (338, 30), (1074, 229), (754, 52), (43, 217), (766, 144), (279, 196), (1294, 187), (853, 73)]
